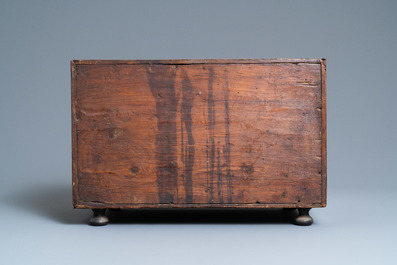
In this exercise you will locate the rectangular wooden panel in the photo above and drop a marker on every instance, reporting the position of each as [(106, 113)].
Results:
[(199, 133)]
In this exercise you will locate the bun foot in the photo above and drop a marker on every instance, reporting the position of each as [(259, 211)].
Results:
[(303, 218), (99, 218)]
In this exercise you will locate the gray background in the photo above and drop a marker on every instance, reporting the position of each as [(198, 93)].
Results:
[(39, 38)]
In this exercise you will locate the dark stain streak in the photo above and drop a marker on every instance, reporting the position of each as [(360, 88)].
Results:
[(163, 91), (226, 148), (206, 155), (219, 173), (211, 137), (171, 168), (187, 122)]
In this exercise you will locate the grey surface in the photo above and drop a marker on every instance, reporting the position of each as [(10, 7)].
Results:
[(39, 38)]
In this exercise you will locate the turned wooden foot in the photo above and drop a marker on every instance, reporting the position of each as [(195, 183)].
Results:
[(303, 217), (99, 218)]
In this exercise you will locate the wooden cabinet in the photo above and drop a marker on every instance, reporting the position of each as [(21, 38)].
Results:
[(241, 133)]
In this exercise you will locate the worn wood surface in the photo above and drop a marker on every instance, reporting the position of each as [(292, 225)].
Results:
[(199, 133)]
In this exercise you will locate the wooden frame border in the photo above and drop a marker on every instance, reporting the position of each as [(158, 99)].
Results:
[(75, 179), (199, 61), (323, 133)]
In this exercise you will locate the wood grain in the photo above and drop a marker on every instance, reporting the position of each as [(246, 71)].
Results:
[(199, 133)]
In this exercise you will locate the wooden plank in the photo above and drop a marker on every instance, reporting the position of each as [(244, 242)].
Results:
[(74, 98), (198, 61), (97, 205), (324, 132), (199, 132)]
